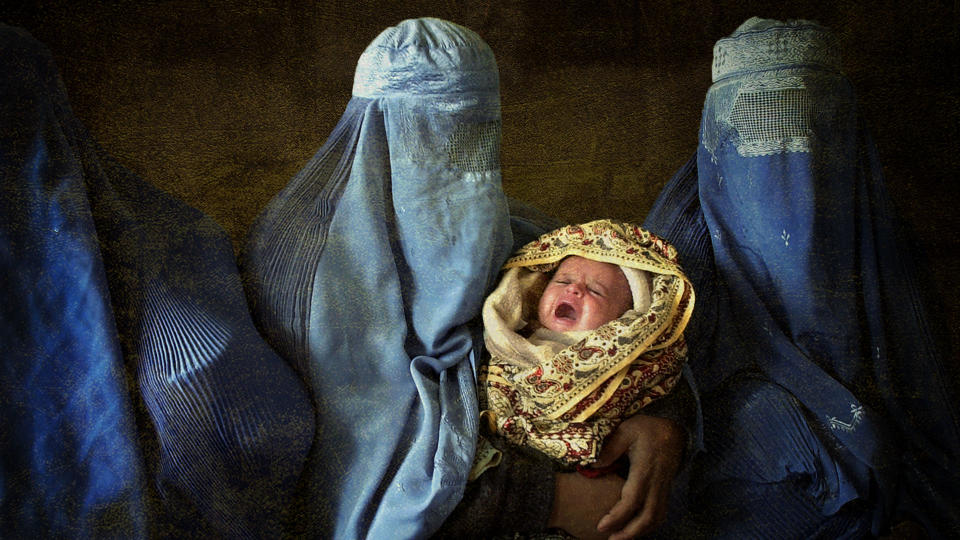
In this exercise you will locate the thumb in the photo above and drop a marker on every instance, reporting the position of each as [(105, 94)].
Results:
[(616, 444)]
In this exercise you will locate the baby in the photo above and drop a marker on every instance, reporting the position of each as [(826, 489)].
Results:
[(584, 294), (584, 329)]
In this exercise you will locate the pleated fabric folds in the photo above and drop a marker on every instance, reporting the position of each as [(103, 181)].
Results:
[(366, 270), (826, 399), (137, 398)]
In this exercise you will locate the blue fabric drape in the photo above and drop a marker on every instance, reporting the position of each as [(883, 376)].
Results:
[(825, 395), (367, 268), (70, 458), (137, 398)]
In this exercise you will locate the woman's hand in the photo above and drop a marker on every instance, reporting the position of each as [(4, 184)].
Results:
[(654, 447), (579, 503)]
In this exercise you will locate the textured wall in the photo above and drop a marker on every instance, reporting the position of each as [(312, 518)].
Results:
[(222, 104)]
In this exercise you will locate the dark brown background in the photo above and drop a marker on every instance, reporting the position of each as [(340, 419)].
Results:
[(220, 103)]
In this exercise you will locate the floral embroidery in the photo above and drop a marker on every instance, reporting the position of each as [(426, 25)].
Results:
[(856, 416)]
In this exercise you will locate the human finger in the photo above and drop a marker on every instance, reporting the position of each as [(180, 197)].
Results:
[(632, 498), (616, 445), (652, 511)]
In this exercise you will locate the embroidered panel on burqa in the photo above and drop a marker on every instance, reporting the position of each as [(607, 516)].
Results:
[(828, 411), (366, 268), (136, 397)]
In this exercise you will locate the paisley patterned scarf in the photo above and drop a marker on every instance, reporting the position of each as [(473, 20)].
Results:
[(562, 394)]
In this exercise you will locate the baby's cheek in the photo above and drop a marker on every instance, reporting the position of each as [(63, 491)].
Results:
[(543, 306)]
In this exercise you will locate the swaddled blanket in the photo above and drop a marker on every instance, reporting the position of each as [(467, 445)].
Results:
[(562, 393)]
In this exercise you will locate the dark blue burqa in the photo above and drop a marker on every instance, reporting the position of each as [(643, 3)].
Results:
[(136, 398), (828, 410)]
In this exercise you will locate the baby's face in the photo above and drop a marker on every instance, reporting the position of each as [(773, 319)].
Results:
[(583, 295)]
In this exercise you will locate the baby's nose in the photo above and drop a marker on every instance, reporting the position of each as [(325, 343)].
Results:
[(575, 288)]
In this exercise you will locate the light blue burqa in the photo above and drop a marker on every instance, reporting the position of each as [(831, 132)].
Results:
[(365, 270)]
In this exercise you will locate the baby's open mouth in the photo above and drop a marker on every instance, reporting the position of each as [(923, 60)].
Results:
[(565, 311)]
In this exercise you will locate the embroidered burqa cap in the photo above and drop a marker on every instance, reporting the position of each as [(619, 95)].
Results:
[(562, 393)]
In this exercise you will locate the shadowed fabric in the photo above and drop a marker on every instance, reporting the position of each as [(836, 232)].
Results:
[(366, 268), (69, 456), (138, 398), (233, 421), (825, 398)]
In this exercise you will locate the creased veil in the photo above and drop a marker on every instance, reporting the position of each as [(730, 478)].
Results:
[(366, 268), (828, 402), (136, 398)]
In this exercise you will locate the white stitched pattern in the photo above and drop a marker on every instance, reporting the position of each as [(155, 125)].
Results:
[(757, 46), (856, 416)]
